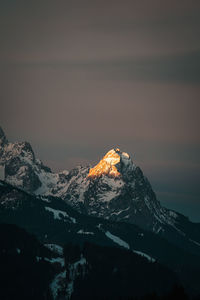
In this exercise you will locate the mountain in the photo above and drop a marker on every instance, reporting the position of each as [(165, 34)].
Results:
[(110, 212), (55, 222), (21, 168), (115, 189)]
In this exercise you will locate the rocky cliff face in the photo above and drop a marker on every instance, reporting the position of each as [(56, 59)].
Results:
[(22, 169)]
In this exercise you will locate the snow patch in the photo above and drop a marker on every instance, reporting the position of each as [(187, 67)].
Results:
[(81, 231), (43, 198), (151, 259), (117, 240), (198, 244), (55, 248), (159, 229), (73, 274), (53, 260), (48, 180), (58, 213), (57, 284), (119, 212)]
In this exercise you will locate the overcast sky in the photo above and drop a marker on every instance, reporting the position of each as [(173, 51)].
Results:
[(81, 77)]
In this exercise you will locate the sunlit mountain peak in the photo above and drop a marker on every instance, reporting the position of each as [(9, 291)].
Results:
[(110, 164)]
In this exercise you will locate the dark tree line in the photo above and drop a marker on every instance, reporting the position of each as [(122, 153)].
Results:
[(115, 273), (21, 275)]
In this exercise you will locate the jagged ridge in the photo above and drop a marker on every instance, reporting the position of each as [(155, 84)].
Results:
[(114, 189), (24, 170)]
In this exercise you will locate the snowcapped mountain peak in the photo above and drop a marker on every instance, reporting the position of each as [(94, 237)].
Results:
[(21, 168), (114, 189), (107, 166), (112, 164)]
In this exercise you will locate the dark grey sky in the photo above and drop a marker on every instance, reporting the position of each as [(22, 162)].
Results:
[(81, 77)]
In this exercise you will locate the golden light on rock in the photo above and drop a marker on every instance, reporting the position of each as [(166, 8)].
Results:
[(107, 166)]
